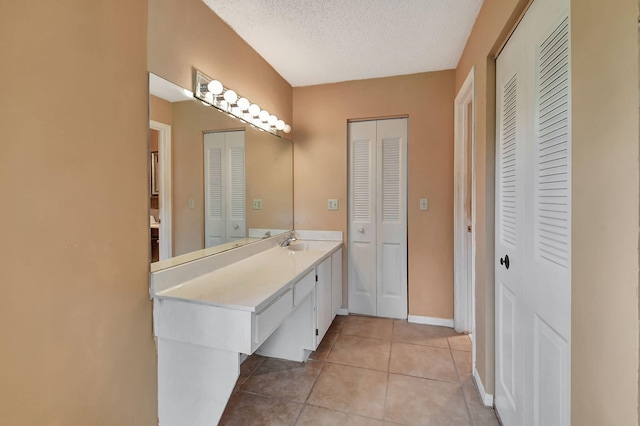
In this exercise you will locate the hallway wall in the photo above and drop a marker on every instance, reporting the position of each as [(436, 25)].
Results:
[(605, 205), (75, 314)]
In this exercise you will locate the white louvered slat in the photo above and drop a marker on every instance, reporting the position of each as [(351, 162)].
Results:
[(391, 180), (508, 225), (215, 182), (361, 180), (237, 186), (552, 148)]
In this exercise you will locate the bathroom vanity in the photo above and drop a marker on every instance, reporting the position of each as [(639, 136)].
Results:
[(210, 313)]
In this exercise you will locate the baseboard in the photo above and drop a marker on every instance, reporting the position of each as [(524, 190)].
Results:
[(342, 311), (486, 398), (442, 322)]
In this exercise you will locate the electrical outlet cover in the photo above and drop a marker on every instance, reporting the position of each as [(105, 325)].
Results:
[(333, 204)]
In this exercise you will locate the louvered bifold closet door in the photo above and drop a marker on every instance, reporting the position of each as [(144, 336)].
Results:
[(511, 100), (551, 258), (533, 296), (236, 200), (214, 193), (362, 218), (392, 218)]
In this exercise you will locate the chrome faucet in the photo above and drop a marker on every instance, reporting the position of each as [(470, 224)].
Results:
[(291, 238)]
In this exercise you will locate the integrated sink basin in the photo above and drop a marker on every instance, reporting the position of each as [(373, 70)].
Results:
[(302, 245)]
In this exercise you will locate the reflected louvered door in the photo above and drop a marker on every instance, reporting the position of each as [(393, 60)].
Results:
[(224, 187), (533, 296), (236, 204), (377, 218), (214, 193)]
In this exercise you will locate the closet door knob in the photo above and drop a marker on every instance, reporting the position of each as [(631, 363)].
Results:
[(236, 226), (361, 230), (505, 261)]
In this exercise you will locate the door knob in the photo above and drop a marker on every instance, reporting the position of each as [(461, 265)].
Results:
[(361, 230), (236, 226), (505, 261)]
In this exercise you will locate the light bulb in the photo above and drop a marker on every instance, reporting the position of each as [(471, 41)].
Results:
[(230, 96), (272, 120), (215, 87), (209, 97), (280, 125), (236, 111), (287, 128), (254, 110), (264, 115), (244, 103)]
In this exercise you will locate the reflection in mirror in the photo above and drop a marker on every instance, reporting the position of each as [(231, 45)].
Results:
[(230, 183)]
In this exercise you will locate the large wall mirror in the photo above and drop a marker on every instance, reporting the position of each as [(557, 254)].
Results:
[(216, 182)]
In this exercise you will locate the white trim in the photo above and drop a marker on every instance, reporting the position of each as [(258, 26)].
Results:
[(486, 398), (165, 197), (464, 291), (442, 322), (343, 311)]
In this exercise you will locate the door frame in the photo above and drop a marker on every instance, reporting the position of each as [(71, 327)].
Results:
[(164, 196), (464, 291)]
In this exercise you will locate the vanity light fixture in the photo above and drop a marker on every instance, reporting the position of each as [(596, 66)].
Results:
[(212, 92)]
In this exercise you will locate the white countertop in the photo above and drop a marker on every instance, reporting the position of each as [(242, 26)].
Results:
[(252, 283)]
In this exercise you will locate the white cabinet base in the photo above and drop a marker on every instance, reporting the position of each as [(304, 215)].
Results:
[(194, 383), (295, 338)]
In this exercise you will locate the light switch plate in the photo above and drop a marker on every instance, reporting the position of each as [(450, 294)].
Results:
[(424, 204), (257, 203), (333, 204)]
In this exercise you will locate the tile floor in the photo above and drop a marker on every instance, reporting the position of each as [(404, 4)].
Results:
[(366, 371)]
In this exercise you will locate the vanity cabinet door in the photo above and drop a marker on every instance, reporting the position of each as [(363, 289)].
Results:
[(323, 292)]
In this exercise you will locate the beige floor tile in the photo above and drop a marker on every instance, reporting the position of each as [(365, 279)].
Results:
[(352, 390), (249, 366), (360, 352), (319, 416), (421, 334), (480, 415), (325, 346), (422, 361), (378, 328), (283, 379), (464, 365), (415, 401), (461, 342), (248, 409)]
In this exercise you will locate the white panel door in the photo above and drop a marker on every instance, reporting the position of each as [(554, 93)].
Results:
[(533, 300), (511, 101), (235, 214), (214, 193), (377, 218), (362, 218), (392, 219), (224, 187)]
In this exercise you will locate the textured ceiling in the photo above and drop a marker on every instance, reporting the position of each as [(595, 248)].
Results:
[(323, 41)]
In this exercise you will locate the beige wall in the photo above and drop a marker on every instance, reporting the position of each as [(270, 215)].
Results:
[(186, 34), (605, 201), (160, 110), (605, 217), (75, 316), (320, 170)]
